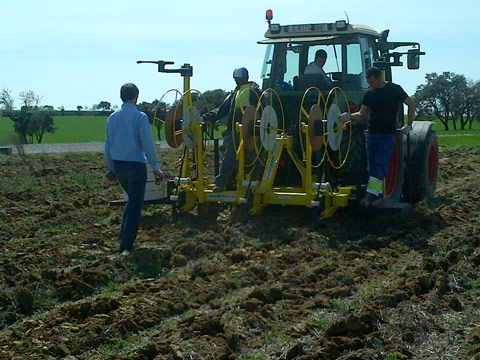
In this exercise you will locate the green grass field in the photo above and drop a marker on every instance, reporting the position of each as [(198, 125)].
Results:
[(70, 129), (458, 138), (74, 129)]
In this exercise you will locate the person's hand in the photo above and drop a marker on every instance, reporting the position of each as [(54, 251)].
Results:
[(344, 117), (111, 177), (159, 176), (406, 129)]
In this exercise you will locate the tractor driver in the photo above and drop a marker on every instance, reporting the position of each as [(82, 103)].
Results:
[(381, 101), (316, 67), (245, 93)]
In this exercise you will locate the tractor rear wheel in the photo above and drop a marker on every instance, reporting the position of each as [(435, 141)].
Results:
[(394, 179), (422, 168), (354, 171)]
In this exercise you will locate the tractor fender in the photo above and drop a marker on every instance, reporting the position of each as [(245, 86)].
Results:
[(422, 166)]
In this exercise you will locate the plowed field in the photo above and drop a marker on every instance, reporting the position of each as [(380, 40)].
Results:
[(403, 286)]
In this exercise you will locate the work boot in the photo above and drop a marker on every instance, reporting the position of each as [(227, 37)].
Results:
[(123, 251), (218, 188), (378, 202), (366, 201)]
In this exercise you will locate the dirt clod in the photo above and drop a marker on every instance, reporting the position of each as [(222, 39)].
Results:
[(295, 351), (25, 300)]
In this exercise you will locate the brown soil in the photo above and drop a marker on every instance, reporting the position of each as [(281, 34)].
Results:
[(388, 287)]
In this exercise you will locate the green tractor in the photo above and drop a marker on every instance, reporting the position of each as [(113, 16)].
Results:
[(351, 49), (291, 147)]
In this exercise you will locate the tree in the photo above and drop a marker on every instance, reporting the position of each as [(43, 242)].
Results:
[(40, 123), (30, 99), (29, 124), (20, 121), (149, 109), (461, 100), (473, 110), (210, 99), (104, 105), (79, 107), (435, 98), (6, 99)]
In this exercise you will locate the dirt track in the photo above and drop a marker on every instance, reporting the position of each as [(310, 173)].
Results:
[(391, 287)]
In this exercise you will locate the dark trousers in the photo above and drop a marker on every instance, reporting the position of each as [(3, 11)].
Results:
[(229, 160), (132, 176)]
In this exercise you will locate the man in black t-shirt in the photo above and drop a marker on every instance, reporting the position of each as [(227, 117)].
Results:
[(382, 102)]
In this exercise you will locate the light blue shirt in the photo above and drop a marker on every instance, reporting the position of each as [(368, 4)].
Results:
[(129, 137)]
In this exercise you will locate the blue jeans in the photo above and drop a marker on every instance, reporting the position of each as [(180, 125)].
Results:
[(379, 152), (132, 176)]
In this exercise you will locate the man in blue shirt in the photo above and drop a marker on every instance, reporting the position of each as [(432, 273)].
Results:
[(128, 146)]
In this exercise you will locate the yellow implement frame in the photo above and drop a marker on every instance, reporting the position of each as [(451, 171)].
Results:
[(255, 195)]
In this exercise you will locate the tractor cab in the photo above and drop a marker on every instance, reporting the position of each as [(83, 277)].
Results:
[(350, 49), (290, 50)]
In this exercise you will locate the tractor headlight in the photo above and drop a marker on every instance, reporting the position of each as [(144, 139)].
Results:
[(275, 28), (341, 25)]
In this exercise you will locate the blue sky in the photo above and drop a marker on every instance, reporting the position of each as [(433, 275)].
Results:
[(80, 52)]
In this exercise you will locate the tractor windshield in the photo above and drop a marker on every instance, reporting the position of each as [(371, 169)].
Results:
[(291, 65)]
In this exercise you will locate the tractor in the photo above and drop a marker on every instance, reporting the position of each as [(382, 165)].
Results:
[(291, 148)]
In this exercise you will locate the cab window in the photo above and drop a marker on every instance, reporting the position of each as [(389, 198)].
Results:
[(292, 66), (333, 64), (267, 63)]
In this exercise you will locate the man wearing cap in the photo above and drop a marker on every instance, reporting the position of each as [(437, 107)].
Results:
[(316, 67), (128, 146), (245, 93), (381, 101)]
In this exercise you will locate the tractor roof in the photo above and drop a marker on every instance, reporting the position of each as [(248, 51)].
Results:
[(310, 32)]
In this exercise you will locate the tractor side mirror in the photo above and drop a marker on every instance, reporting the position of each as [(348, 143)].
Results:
[(413, 59)]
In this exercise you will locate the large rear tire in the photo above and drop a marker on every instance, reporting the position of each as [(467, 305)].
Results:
[(354, 171), (422, 168), (394, 179)]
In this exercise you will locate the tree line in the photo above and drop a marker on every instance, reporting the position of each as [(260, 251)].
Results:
[(451, 98), (32, 121)]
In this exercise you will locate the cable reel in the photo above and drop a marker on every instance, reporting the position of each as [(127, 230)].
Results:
[(335, 128), (268, 128), (238, 105), (173, 127), (314, 118), (248, 119), (172, 121), (191, 117)]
